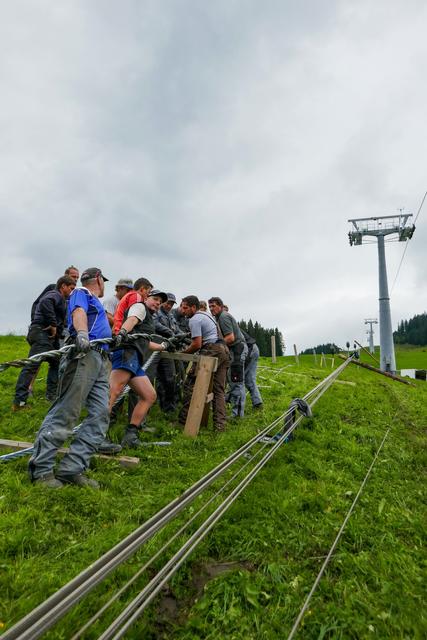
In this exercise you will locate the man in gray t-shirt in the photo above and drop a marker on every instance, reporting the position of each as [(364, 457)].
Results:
[(205, 339), (235, 341)]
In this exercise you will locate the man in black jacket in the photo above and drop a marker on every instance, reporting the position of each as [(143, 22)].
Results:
[(45, 330), (166, 326)]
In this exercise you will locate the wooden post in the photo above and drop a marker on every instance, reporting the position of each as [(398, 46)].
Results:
[(273, 349), (205, 369), (205, 417), (322, 360), (296, 354), (315, 357)]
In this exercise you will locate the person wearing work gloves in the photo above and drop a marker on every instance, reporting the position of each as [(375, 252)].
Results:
[(84, 383), (131, 354)]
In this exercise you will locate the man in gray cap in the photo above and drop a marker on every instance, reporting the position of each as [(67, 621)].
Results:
[(84, 383), (123, 286)]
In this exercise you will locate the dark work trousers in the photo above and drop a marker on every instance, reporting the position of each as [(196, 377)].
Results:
[(39, 341), (220, 351), (165, 385)]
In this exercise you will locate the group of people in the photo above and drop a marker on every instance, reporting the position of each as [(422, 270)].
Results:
[(116, 345)]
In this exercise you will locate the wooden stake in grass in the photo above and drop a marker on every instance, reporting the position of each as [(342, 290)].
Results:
[(205, 368), (273, 349), (296, 354)]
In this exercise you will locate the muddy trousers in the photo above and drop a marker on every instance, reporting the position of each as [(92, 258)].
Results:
[(84, 384), (220, 351)]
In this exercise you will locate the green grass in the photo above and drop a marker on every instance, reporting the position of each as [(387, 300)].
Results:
[(276, 534)]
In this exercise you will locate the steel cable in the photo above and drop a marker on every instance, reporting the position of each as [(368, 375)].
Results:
[(181, 530), (57, 353), (55, 607), (334, 544)]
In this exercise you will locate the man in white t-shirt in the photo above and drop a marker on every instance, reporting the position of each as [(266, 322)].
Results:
[(123, 286)]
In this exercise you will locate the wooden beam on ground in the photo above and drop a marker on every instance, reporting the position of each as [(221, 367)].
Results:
[(198, 399), (368, 352), (383, 373), (17, 445)]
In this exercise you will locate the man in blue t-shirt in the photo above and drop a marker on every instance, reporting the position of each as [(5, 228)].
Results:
[(84, 383)]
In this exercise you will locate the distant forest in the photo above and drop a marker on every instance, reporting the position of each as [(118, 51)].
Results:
[(263, 337), (413, 331), (329, 347)]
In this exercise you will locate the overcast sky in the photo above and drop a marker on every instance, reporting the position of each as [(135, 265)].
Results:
[(217, 148)]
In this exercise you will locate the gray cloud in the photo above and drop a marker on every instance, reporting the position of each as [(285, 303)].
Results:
[(218, 148)]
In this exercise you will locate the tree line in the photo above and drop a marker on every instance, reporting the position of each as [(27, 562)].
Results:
[(328, 348), (262, 337), (413, 331)]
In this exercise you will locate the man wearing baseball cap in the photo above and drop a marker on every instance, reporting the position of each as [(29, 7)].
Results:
[(84, 383), (123, 286), (133, 316), (166, 326)]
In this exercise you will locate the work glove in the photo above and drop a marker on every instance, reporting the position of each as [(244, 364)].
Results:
[(82, 342), (168, 346), (121, 337)]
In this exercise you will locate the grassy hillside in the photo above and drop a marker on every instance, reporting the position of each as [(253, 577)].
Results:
[(249, 577)]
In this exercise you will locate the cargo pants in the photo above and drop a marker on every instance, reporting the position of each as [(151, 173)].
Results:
[(220, 351), (84, 383)]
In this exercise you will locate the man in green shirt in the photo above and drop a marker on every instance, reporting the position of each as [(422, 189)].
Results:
[(235, 341)]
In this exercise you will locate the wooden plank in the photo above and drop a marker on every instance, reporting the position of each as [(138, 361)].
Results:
[(198, 399), (187, 357), (176, 355), (17, 445), (209, 397)]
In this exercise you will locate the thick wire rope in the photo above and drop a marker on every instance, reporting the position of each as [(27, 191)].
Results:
[(55, 607), (334, 544), (57, 353), (181, 530), (137, 606), (406, 245)]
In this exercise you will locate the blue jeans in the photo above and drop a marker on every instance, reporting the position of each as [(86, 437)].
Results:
[(250, 376), (237, 392), (85, 383)]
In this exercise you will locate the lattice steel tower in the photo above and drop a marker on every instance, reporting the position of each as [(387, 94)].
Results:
[(370, 333), (397, 230)]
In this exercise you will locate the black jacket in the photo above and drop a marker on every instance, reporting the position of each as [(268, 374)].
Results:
[(50, 311)]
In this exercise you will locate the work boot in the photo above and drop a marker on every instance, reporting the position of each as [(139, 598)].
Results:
[(109, 448), (21, 404), (80, 480), (48, 480), (130, 439)]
